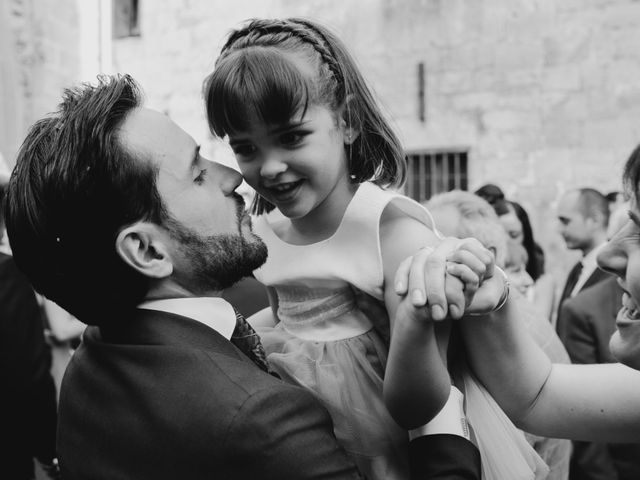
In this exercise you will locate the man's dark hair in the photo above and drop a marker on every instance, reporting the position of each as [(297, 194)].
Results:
[(75, 186)]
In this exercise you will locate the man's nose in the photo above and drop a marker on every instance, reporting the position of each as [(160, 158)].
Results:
[(230, 178)]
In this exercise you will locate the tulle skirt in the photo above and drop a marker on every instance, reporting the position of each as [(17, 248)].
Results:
[(347, 376), (504, 450)]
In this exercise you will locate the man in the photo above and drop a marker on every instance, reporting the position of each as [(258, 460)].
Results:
[(28, 403), (583, 215), (116, 217), (590, 320)]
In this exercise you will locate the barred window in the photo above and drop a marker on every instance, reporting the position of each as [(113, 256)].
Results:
[(434, 172), (125, 19)]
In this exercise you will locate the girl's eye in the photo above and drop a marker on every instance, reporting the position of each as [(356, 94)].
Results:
[(200, 178), (243, 150), (292, 138)]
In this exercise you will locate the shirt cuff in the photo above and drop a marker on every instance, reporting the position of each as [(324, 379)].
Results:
[(450, 420)]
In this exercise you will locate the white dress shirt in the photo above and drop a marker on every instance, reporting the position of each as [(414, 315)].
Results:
[(214, 312), (589, 265)]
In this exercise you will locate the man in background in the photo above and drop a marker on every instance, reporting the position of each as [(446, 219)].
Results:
[(587, 311)]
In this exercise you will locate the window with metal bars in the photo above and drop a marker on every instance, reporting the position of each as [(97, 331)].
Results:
[(125, 19), (434, 172)]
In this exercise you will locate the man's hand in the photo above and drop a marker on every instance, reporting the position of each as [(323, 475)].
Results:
[(446, 278)]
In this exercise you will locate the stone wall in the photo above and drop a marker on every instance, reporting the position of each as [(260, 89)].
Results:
[(38, 58)]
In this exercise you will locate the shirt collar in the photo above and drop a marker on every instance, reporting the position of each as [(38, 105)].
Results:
[(590, 260), (215, 312)]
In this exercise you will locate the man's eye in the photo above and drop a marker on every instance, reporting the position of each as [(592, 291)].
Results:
[(200, 178)]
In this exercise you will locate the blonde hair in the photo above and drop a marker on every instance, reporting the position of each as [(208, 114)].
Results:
[(477, 219)]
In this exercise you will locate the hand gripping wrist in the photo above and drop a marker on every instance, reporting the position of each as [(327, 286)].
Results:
[(503, 298)]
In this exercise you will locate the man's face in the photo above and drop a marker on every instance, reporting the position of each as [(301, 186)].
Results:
[(577, 231), (213, 246)]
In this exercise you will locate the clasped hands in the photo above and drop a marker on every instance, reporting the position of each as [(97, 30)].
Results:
[(457, 277)]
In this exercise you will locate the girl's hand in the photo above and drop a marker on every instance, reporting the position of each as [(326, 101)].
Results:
[(445, 278)]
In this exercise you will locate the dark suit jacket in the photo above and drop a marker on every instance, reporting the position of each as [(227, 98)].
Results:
[(589, 320), (443, 457), (165, 397), (28, 400), (597, 276)]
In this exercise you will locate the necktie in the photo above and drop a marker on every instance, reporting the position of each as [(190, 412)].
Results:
[(572, 279), (248, 342)]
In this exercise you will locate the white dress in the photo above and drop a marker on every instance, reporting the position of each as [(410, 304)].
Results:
[(324, 343)]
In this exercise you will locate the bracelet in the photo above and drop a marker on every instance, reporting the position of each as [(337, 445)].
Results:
[(503, 298)]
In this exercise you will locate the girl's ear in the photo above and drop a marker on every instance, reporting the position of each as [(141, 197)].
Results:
[(349, 121), (143, 247)]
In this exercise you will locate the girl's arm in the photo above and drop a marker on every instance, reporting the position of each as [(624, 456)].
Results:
[(416, 383), (268, 316)]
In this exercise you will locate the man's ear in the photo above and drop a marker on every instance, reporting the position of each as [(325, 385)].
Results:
[(143, 247), (348, 122)]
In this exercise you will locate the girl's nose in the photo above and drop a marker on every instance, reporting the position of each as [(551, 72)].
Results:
[(272, 166)]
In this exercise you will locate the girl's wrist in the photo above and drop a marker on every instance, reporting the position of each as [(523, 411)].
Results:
[(504, 297)]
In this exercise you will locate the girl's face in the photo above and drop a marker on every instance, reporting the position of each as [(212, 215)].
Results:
[(621, 256), (297, 165)]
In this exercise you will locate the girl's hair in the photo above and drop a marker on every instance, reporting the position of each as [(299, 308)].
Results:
[(256, 76)]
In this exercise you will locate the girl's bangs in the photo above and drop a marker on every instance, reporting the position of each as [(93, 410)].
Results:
[(257, 83)]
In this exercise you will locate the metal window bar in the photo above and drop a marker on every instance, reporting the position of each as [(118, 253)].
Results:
[(435, 172)]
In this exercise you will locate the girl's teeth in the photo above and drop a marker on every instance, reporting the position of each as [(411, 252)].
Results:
[(632, 313)]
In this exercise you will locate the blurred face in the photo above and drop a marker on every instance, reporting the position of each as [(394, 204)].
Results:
[(512, 226), (213, 243), (516, 269), (577, 231), (299, 166), (621, 256)]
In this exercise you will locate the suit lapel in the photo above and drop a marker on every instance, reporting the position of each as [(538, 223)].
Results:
[(152, 327), (597, 276)]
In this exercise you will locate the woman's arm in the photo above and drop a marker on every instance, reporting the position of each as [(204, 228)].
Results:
[(582, 402)]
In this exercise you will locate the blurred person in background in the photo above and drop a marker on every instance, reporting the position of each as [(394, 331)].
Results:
[(515, 221), (28, 416), (463, 214), (587, 309), (589, 318)]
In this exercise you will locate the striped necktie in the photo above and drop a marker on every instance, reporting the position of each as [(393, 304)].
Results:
[(248, 342)]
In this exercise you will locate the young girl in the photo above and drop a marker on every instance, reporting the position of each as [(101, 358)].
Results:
[(310, 139)]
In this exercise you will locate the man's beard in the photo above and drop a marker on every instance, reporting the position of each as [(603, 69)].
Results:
[(216, 262)]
